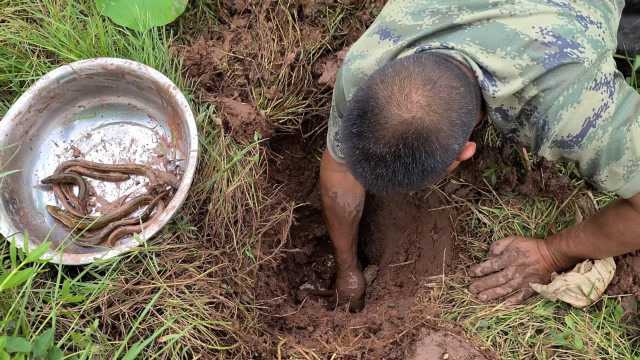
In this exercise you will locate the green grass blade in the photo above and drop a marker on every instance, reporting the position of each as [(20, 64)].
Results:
[(137, 323), (16, 278), (137, 348)]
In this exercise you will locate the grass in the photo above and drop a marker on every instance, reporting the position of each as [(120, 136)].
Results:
[(539, 329), (543, 330), (190, 292)]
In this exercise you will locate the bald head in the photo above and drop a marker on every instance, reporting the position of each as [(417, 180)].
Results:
[(409, 121)]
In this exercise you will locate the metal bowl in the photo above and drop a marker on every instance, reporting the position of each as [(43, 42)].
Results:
[(105, 110)]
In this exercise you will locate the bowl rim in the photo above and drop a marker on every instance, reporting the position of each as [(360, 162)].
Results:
[(8, 230)]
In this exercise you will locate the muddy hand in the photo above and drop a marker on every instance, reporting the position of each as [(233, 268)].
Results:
[(513, 264), (350, 288)]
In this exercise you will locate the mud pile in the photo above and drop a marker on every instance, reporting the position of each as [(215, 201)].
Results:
[(626, 281)]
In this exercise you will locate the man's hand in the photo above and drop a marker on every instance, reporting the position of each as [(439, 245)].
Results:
[(513, 264), (350, 288), (516, 262)]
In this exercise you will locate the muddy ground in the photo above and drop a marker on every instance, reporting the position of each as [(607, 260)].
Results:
[(251, 70), (269, 67), (405, 239), (406, 242), (626, 282)]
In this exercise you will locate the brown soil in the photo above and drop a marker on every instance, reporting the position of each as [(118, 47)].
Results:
[(626, 284), (409, 237), (251, 69), (242, 121), (405, 239), (503, 167), (445, 345), (626, 281), (265, 58)]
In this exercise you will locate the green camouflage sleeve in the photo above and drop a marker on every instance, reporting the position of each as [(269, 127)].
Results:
[(545, 69), (595, 121)]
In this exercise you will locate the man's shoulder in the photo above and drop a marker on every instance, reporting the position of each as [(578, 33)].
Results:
[(545, 33)]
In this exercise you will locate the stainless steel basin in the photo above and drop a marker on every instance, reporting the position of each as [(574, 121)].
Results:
[(105, 110)]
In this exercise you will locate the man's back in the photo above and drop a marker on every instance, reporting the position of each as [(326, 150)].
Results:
[(545, 68)]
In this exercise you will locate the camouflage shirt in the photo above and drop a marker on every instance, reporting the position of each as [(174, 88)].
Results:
[(545, 68)]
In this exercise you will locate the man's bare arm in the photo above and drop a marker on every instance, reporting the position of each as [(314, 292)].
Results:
[(516, 262), (615, 230), (343, 200)]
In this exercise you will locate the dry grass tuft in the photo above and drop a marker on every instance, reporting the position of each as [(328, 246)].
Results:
[(266, 54)]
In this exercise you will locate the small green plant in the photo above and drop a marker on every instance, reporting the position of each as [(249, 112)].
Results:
[(16, 273), (42, 347), (141, 15)]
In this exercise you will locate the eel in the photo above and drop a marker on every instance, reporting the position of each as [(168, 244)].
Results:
[(97, 222), (98, 175), (76, 205), (96, 238), (155, 177), (123, 231)]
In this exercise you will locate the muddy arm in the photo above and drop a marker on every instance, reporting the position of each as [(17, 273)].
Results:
[(343, 201), (615, 230)]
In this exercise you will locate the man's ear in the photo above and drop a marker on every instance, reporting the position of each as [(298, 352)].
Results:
[(468, 151)]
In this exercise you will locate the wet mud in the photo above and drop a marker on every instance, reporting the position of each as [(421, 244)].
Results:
[(626, 283), (405, 239), (432, 345)]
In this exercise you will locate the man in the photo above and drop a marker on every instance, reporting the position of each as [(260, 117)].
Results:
[(415, 85)]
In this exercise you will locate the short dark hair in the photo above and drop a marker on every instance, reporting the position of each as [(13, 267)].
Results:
[(409, 121)]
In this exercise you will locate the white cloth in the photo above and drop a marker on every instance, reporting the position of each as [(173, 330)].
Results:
[(582, 286)]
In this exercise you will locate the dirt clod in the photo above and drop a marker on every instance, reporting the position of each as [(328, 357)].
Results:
[(507, 169), (438, 345), (626, 281), (328, 67), (242, 121)]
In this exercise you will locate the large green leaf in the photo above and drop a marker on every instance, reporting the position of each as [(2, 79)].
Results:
[(16, 344), (55, 354), (16, 278), (141, 15)]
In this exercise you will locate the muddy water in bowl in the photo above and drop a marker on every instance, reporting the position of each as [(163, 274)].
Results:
[(103, 110)]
